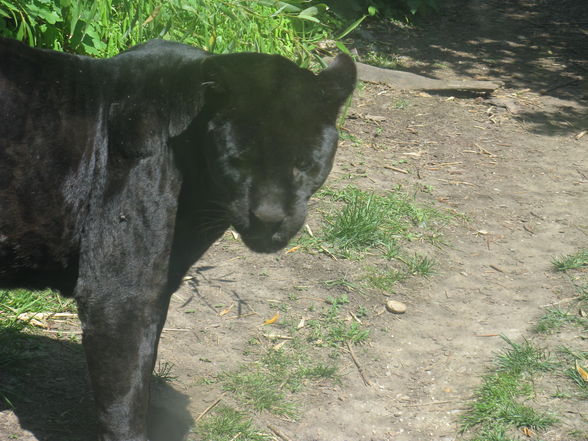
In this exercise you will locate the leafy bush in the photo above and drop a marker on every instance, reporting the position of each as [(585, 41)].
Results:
[(105, 27)]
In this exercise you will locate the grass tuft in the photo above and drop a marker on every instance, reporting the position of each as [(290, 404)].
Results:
[(227, 424), (571, 261), (500, 402)]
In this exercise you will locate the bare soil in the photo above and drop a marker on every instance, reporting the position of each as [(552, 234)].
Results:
[(509, 163)]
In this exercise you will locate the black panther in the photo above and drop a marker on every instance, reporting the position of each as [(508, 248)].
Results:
[(117, 174)]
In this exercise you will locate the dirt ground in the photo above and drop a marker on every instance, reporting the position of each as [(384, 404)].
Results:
[(510, 163)]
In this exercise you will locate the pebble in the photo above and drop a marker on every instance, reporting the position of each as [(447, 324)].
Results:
[(395, 306)]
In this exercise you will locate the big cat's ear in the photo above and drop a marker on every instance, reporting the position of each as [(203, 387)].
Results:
[(338, 79)]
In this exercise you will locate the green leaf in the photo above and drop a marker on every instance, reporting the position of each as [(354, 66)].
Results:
[(351, 27)]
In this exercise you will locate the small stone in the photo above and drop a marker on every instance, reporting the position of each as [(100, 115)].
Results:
[(396, 307)]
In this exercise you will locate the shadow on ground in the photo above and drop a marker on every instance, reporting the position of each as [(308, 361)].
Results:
[(528, 44), (44, 381)]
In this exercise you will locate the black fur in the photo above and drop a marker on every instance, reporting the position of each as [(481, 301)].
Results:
[(116, 175)]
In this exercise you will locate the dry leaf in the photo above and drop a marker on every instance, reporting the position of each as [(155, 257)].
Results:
[(582, 372), (301, 323), (273, 319), (226, 310), (235, 234), (582, 313), (291, 250), (528, 432), (581, 134)]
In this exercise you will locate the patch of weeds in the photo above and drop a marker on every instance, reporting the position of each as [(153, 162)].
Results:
[(361, 312), (365, 221), (265, 385), (258, 390), (576, 362), (359, 225), (500, 401), (163, 372), (553, 320), (400, 104), (378, 59), (340, 333), (344, 283), (347, 136), (227, 424), (20, 301), (331, 331), (496, 433), (384, 280), (418, 264), (571, 261), (523, 358), (580, 435)]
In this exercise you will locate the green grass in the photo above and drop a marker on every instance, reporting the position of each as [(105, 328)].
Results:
[(14, 347), (571, 261), (554, 319), (362, 221), (386, 279), (16, 302), (227, 424), (379, 59), (163, 372), (106, 27), (502, 401), (268, 384), (419, 265)]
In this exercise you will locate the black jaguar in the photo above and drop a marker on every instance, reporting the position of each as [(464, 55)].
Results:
[(116, 175)]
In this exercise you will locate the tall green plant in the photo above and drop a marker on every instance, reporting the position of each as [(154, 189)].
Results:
[(106, 27)]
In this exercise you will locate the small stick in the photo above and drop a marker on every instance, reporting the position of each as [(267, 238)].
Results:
[(331, 255), (177, 329), (359, 368), (278, 433), (355, 317), (486, 335), (208, 409), (396, 169), (495, 268)]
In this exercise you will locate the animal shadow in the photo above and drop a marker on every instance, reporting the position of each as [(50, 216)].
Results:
[(45, 382)]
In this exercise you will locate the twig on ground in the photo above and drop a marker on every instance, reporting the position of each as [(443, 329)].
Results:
[(208, 409), (278, 433), (396, 169), (359, 368)]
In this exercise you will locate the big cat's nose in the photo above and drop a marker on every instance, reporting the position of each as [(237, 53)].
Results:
[(269, 213)]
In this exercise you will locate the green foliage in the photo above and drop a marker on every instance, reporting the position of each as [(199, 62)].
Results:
[(227, 424), (106, 27), (16, 302), (264, 385), (368, 220), (571, 261), (500, 401)]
